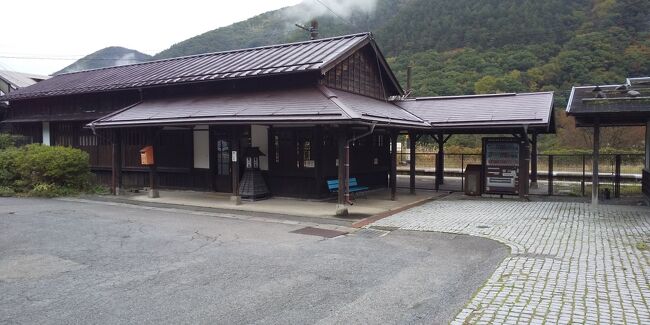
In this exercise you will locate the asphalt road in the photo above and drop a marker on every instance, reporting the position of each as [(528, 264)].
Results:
[(81, 263)]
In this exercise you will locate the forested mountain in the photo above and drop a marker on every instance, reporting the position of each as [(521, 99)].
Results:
[(106, 57), (473, 46)]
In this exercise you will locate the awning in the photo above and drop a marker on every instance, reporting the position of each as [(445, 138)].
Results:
[(317, 105), (496, 113)]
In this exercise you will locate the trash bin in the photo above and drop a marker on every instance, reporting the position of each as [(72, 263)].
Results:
[(473, 180)]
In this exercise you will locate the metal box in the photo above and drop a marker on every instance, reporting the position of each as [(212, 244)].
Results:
[(146, 156), (473, 180)]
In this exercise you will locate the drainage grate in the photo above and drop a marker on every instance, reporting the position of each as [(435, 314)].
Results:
[(319, 232), (370, 233)]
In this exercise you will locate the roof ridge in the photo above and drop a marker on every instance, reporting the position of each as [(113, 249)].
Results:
[(228, 52)]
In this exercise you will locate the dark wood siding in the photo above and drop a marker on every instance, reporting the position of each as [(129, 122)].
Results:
[(358, 74), (288, 175), (33, 132)]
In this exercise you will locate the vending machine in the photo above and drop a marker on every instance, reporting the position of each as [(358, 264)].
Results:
[(501, 165)]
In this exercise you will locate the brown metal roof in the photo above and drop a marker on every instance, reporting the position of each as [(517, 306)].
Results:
[(309, 104), (495, 111), (268, 60), (611, 100)]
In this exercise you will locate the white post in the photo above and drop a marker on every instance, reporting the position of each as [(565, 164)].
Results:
[(46, 133)]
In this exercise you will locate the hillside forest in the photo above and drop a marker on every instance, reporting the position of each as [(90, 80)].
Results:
[(477, 46)]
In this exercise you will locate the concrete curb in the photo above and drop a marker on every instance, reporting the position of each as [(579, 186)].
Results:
[(366, 221)]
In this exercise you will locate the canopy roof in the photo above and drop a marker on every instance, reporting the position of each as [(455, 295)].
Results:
[(495, 113), (612, 105), (303, 105), (316, 55)]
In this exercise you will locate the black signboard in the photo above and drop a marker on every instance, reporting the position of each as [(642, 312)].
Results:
[(501, 165)]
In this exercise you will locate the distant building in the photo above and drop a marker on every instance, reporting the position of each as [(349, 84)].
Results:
[(11, 81)]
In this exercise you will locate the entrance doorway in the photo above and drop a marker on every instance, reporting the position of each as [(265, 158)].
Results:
[(222, 163)]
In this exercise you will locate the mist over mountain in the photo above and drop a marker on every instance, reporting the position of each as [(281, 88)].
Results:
[(106, 57)]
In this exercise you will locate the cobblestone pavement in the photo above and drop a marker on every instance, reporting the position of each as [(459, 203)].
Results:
[(569, 262)]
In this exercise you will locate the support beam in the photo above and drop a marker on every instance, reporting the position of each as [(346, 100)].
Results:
[(533, 161), (116, 167), (341, 209), (440, 161), (153, 169), (393, 165), (646, 173), (524, 165), (412, 157), (596, 158)]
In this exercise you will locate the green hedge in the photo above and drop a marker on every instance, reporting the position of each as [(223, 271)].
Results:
[(43, 170)]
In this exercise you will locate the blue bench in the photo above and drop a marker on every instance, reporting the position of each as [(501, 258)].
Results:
[(333, 186)]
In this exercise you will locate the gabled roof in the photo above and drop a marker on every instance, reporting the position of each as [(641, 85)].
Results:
[(20, 79), (316, 55), (309, 105), (481, 113)]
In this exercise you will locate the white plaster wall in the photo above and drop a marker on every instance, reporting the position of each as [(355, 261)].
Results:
[(46, 133), (201, 146), (260, 139)]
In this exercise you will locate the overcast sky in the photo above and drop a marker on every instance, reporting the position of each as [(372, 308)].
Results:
[(71, 29)]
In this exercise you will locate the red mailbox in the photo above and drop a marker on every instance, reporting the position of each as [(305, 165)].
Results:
[(146, 156)]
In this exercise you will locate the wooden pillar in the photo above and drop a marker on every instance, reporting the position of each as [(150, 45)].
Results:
[(596, 157), (153, 169), (524, 165), (440, 161), (116, 166), (647, 146), (342, 143), (550, 175), (412, 158), (393, 165), (533, 161), (236, 155)]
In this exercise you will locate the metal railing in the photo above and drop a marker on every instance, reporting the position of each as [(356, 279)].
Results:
[(566, 174)]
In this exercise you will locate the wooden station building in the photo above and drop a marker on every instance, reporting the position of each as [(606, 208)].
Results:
[(312, 108)]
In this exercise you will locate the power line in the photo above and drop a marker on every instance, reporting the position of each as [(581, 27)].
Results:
[(337, 15), (53, 58)]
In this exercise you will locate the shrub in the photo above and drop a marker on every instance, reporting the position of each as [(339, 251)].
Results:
[(6, 191), (59, 166), (8, 175), (7, 140), (50, 190)]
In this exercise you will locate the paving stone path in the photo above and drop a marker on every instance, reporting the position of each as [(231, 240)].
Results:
[(569, 262)]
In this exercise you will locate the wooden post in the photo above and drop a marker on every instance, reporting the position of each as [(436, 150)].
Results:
[(524, 165), (617, 177), (440, 161), (647, 146), (412, 146), (116, 166), (236, 155), (153, 169), (393, 165), (341, 209), (550, 175), (533, 162), (594, 170)]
